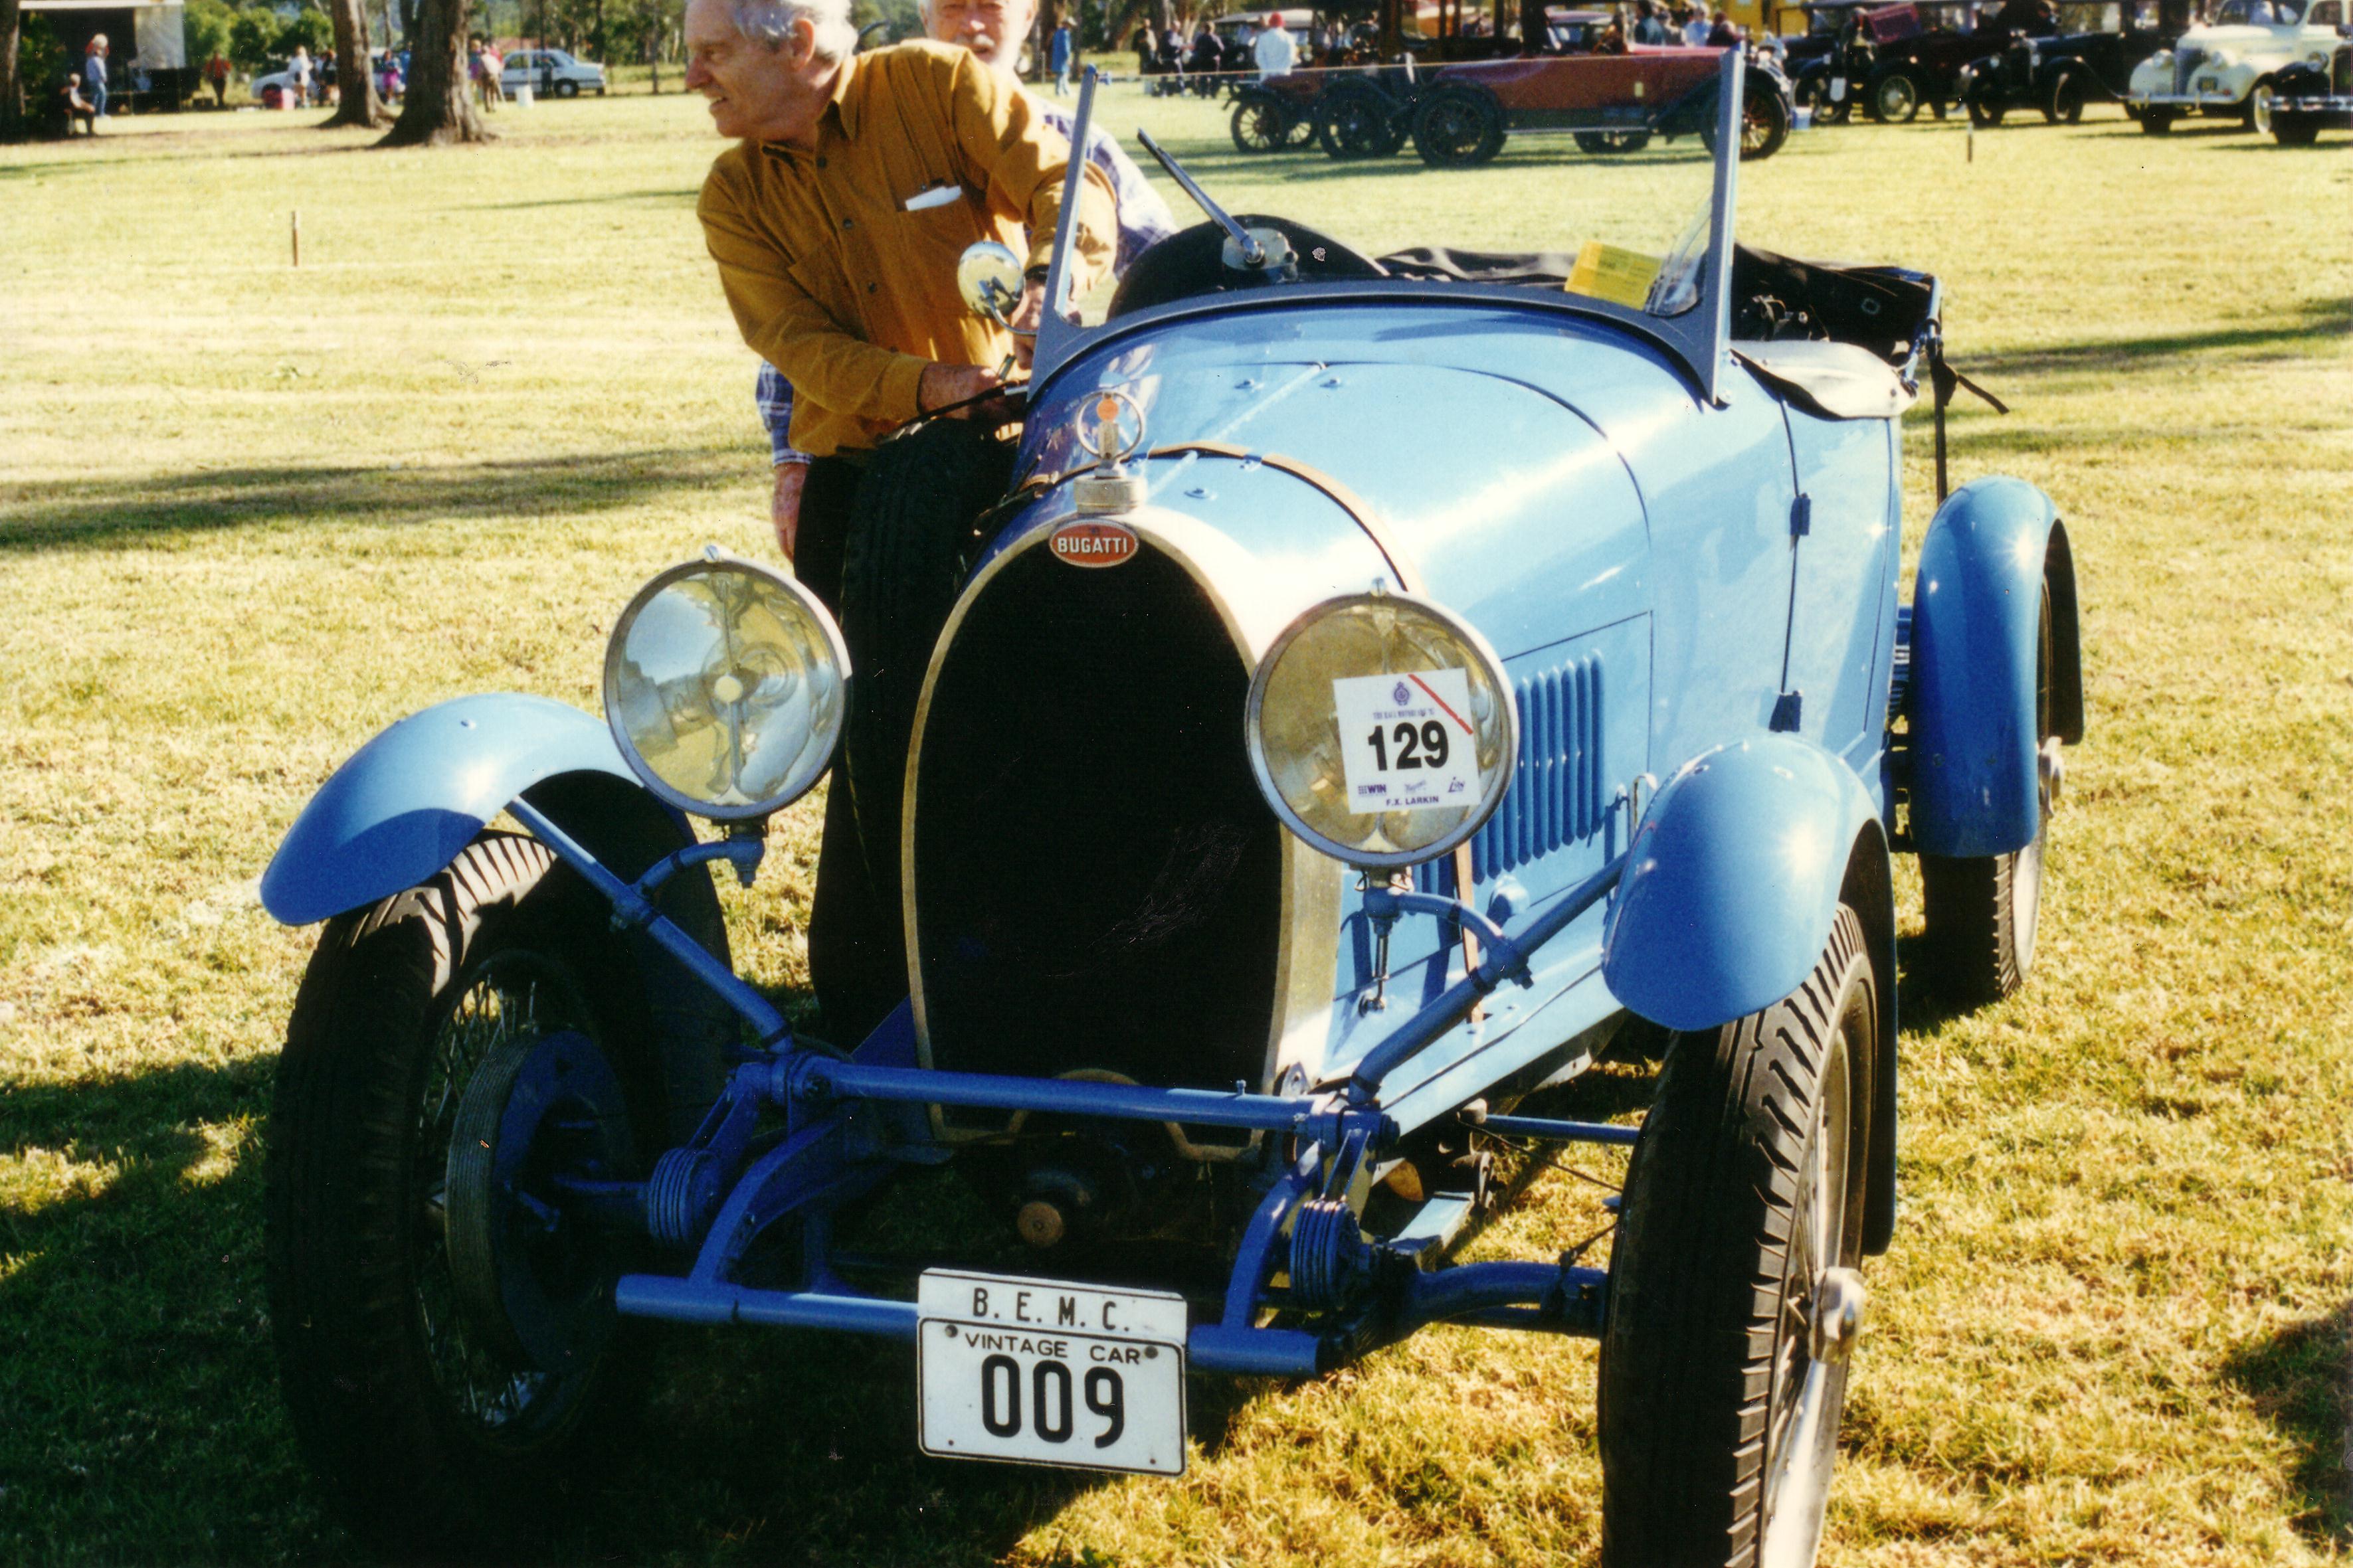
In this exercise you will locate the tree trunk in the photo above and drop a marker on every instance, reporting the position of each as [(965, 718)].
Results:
[(352, 68), (11, 91), (440, 108)]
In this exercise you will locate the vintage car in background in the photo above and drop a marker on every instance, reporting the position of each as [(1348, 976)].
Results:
[(1366, 692), (2312, 99), (1910, 54), (1458, 115), (2230, 67), (2057, 75)]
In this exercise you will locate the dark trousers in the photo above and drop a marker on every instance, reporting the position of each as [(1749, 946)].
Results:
[(857, 946)]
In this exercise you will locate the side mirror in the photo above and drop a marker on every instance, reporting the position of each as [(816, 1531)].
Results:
[(988, 276)]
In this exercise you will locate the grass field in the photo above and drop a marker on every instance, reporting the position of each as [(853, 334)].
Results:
[(250, 513)]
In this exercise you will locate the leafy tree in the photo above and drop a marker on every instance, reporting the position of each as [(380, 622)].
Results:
[(308, 29), (208, 25), (253, 40)]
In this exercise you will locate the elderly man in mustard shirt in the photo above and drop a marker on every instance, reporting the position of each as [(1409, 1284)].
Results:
[(836, 220)]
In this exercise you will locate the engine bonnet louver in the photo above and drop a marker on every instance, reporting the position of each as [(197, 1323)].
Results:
[(1559, 795)]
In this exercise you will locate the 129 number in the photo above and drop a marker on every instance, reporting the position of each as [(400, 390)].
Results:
[(1050, 1416), (1416, 748)]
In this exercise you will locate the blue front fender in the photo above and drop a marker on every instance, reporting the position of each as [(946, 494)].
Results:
[(1975, 614), (404, 805), (1732, 882)]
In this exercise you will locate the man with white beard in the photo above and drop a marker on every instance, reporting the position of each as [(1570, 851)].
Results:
[(994, 30)]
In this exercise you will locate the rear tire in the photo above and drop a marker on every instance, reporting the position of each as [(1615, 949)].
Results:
[(1985, 109), (425, 1428), (2157, 122), (1746, 1189), (1983, 911), (2295, 129), (1259, 126), (567, 89)]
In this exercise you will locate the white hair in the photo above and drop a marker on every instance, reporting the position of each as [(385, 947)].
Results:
[(770, 22)]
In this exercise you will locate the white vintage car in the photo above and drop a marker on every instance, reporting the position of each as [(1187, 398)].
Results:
[(2226, 66)]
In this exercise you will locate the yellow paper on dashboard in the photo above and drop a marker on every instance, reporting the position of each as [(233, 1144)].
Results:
[(1608, 272)]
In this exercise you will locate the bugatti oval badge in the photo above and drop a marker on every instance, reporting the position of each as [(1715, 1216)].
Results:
[(1090, 543)]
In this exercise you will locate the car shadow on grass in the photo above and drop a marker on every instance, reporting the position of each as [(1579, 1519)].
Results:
[(2306, 321), (80, 514), (142, 1421), (2300, 1378)]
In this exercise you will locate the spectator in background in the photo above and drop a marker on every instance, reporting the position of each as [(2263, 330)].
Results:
[(216, 76), (1207, 58), (1722, 35), (1147, 53), (1276, 51), (1650, 28), (494, 66), (78, 109), (298, 71), (1695, 29), (93, 80), (1058, 54), (389, 84)]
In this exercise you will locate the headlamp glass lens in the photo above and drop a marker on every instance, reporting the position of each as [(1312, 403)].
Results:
[(723, 684), (1384, 730)]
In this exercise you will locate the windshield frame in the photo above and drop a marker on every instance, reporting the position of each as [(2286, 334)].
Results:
[(1697, 339)]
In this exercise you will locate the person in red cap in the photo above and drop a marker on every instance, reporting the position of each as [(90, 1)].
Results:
[(1277, 51)]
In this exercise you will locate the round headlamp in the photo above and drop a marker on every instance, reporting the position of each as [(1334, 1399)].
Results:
[(724, 685), (1382, 729)]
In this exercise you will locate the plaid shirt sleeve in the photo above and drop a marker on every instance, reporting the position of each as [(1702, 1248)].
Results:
[(774, 395)]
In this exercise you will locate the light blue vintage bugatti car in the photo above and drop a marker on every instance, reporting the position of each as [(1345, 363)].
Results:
[(1388, 686)]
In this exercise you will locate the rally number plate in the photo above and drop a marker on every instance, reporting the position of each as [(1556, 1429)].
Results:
[(1047, 1373)]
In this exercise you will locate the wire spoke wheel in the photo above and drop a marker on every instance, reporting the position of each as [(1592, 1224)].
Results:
[(429, 1412), (1734, 1302)]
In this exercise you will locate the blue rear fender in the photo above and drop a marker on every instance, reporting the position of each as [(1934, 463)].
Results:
[(1733, 879), (1975, 618), (404, 805)]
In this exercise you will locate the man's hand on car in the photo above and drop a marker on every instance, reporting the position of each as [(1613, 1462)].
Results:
[(784, 509), (947, 383)]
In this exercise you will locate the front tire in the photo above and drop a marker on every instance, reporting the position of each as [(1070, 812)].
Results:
[(2066, 105), (2157, 122), (1895, 98), (567, 89), (425, 1423), (2258, 116), (1983, 911), (1358, 121), (1742, 1220), (1458, 128)]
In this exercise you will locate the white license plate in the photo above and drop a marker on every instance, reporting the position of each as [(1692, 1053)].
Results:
[(1837, 94), (1047, 1373)]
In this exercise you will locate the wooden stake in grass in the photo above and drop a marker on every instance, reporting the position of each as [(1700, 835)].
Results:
[(297, 237), (1972, 140)]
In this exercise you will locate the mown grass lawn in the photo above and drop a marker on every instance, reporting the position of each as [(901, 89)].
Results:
[(250, 513)]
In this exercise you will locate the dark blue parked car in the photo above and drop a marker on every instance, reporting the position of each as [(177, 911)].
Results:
[(1388, 686)]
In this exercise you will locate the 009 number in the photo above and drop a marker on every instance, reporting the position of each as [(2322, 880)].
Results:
[(1425, 747), (1051, 1411)]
